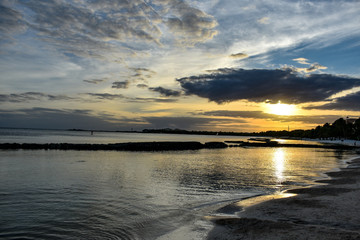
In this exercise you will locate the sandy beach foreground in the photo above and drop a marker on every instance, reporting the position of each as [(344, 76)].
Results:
[(327, 211)]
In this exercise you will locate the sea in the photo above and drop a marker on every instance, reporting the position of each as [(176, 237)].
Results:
[(58, 194)]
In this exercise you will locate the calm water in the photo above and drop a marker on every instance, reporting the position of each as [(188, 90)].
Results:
[(138, 195)]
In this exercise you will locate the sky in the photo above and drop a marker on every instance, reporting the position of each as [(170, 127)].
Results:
[(216, 65)]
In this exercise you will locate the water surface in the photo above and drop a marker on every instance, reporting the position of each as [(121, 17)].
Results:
[(141, 195)]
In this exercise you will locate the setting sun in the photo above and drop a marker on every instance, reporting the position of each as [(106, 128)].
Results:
[(281, 109)]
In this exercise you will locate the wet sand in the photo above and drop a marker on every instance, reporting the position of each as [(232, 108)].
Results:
[(327, 211)]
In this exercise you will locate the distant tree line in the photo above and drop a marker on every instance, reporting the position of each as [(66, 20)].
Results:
[(340, 129)]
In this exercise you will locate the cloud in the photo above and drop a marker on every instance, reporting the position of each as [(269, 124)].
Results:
[(97, 19), (262, 115), (188, 123), (49, 118), (66, 119), (106, 96), (264, 20), (312, 66), (146, 100), (31, 96), (301, 61), (142, 86), (140, 74), (106, 28), (11, 22), (164, 92), (260, 85), (121, 84), (332, 22), (239, 55), (189, 24), (143, 72), (95, 81), (348, 102)]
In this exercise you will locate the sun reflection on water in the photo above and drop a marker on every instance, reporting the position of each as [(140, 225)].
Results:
[(279, 163)]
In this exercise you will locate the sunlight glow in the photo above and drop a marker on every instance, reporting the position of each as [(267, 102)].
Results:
[(281, 109)]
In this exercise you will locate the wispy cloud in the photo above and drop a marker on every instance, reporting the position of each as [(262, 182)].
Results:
[(121, 84), (190, 25), (141, 85), (11, 22), (288, 24), (101, 28), (32, 96), (189, 123), (239, 55), (312, 66), (273, 117), (263, 20), (302, 61), (111, 97), (165, 92), (67, 119), (95, 81), (106, 96)]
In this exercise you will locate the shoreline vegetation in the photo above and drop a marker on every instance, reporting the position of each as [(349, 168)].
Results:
[(326, 211), (339, 129)]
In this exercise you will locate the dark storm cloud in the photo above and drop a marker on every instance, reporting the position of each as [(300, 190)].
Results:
[(350, 102), (121, 84), (65, 119), (166, 92), (267, 116), (193, 123), (31, 96), (260, 85)]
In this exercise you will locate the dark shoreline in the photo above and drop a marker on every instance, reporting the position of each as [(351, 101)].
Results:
[(162, 146)]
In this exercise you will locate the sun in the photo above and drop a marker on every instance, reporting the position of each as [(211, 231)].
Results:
[(281, 109)]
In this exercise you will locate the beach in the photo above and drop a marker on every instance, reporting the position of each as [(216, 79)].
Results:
[(329, 210)]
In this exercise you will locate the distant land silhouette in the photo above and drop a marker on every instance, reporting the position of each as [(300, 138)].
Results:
[(339, 129)]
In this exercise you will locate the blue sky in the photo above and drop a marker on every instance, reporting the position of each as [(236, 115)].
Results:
[(206, 65)]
